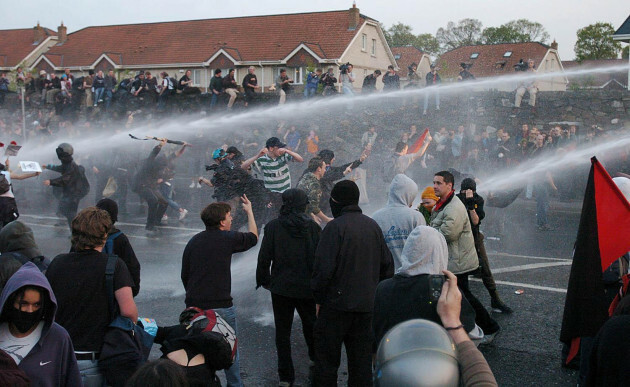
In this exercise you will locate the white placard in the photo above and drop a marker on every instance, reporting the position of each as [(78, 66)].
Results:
[(30, 166)]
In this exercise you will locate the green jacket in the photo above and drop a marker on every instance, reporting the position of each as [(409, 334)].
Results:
[(451, 220), (313, 188)]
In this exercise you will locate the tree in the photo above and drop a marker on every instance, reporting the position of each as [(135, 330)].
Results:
[(502, 34), (401, 35), (531, 31), (466, 32), (625, 52), (595, 42)]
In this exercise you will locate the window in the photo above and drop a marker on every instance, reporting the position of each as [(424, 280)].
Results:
[(373, 46), (397, 56), (474, 55), (196, 77), (364, 42), (507, 54), (295, 73)]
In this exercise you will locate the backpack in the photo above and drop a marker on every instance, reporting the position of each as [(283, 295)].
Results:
[(81, 186), (109, 244), (215, 334), (41, 262), (172, 85), (5, 186)]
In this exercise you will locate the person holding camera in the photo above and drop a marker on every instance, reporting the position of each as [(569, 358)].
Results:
[(474, 205), (312, 81), (528, 85), (347, 79), (411, 292), (329, 80), (412, 75), (284, 84), (391, 80), (465, 75)]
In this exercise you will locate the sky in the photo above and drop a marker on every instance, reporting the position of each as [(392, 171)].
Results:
[(561, 18)]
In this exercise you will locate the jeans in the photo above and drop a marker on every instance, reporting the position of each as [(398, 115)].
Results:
[(90, 374), (167, 192), (68, 207), (232, 374), (426, 100), (354, 330), (156, 203), (214, 99), (98, 95), (486, 273), (283, 310), (347, 90), (309, 92), (108, 98)]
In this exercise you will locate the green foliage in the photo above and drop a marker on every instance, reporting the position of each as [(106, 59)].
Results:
[(467, 32), (515, 31), (625, 52), (402, 35), (595, 42)]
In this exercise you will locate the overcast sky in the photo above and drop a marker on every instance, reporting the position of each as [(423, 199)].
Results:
[(561, 18)]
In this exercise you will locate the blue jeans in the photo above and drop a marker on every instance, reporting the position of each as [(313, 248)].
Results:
[(309, 92), (98, 94), (213, 100), (426, 100), (347, 90), (90, 374), (167, 192), (232, 374), (108, 98)]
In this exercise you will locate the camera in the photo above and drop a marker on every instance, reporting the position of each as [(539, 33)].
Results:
[(436, 281), (520, 66), (344, 68)]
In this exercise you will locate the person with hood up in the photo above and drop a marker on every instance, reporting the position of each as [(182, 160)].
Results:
[(29, 333), (285, 266), (17, 246), (350, 260), (118, 244), (406, 295), (398, 219), (70, 172)]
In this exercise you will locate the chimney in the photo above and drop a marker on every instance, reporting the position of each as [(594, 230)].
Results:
[(554, 45), (62, 33), (38, 34), (353, 17)]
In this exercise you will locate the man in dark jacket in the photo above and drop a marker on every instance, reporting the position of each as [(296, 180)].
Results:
[(70, 174), (332, 175), (369, 82), (391, 80), (216, 87), (288, 249), (118, 244), (146, 186), (474, 205), (350, 260)]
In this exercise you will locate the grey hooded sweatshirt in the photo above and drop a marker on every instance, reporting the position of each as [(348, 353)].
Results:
[(398, 219), (51, 362)]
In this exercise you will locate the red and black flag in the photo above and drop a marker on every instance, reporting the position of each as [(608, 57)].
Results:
[(415, 147), (603, 236)]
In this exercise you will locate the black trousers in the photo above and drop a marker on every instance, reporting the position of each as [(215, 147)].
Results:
[(156, 203), (283, 310), (68, 207), (482, 317), (354, 330), (486, 273)]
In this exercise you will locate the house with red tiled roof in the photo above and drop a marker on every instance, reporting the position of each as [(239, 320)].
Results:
[(296, 42), (623, 35), (405, 56), (611, 80), (495, 60), (22, 47)]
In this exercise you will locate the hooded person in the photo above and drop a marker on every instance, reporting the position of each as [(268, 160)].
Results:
[(285, 267), (29, 333), (18, 242), (397, 219), (405, 296), (70, 174), (118, 244)]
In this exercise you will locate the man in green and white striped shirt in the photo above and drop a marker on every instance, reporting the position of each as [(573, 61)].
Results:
[(272, 164)]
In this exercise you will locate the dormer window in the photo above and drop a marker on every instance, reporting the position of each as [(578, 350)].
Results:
[(507, 54), (397, 56), (474, 55)]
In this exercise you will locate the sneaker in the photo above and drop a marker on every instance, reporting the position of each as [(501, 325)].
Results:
[(192, 185), (182, 215), (164, 218), (198, 185), (499, 306), (489, 338)]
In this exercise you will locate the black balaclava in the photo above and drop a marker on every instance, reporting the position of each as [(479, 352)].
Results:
[(292, 213), (110, 206), (344, 193), (24, 321)]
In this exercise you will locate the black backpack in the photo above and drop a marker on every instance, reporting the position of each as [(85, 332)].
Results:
[(5, 186), (172, 85), (80, 182)]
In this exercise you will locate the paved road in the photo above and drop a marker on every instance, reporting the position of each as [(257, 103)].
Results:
[(525, 353)]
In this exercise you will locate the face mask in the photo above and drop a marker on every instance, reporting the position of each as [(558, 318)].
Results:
[(24, 321), (335, 208)]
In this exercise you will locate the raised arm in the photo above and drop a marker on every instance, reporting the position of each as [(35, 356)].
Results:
[(248, 163)]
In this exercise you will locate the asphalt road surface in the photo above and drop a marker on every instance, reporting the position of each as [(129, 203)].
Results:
[(527, 351)]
